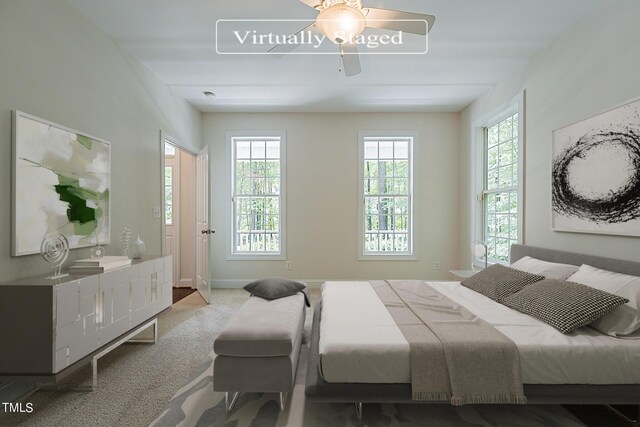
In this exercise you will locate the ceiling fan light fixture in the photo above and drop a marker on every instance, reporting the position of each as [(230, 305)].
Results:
[(341, 23)]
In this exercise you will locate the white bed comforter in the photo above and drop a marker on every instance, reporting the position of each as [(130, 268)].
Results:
[(360, 342)]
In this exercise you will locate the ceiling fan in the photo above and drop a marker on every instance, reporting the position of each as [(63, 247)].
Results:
[(342, 21)]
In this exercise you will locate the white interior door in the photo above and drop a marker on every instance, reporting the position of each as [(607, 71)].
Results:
[(202, 225)]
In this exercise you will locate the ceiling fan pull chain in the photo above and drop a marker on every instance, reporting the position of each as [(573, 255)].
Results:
[(340, 59)]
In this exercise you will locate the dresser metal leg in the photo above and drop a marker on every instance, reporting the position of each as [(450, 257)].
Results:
[(126, 339), (154, 324), (94, 360), (283, 400)]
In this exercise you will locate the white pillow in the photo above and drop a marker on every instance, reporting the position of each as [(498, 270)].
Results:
[(623, 320), (550, 270)]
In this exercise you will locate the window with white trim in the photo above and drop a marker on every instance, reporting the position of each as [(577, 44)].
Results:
[(169, 152), (257, 195), (386, 187), (168, 194), (501, 190)]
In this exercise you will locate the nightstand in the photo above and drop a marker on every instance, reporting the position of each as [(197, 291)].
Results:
[(463, 274)]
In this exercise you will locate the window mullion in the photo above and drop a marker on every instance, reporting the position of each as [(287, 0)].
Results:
[(500, 190)]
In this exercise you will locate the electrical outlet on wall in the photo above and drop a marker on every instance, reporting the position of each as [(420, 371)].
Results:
[(288, 265), (157, 212), (436, 265)]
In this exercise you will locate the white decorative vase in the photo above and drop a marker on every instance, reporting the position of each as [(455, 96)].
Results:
[(137, 248)]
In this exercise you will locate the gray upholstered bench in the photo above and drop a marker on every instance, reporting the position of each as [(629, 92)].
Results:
[(258, 349)]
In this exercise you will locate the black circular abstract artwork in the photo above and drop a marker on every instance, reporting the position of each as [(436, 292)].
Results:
[(621, 204)]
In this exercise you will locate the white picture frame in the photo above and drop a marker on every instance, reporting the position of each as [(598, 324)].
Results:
[(61, 183), (595, 174)]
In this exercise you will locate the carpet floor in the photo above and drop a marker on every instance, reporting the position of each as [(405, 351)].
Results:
[(196, 404), (170, 384)]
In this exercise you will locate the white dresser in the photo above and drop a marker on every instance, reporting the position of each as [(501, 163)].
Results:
[(48, 325)]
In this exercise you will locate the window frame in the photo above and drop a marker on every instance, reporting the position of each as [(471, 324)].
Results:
[(411, 255), (172, 204), (232, 255), (515, 106)]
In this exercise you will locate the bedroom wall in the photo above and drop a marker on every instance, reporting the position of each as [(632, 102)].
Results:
[(588, 70), (57, 65), (322, 208)]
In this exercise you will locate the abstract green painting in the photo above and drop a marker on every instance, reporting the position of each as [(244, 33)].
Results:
[(61, 184)]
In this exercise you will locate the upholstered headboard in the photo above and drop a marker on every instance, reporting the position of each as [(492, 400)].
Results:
[(620, 266)]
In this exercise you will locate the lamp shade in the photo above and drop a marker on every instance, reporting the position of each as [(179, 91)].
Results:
[(341, 23), (479, 250)]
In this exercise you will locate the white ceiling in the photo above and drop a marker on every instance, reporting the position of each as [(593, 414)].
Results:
[(472, 46)]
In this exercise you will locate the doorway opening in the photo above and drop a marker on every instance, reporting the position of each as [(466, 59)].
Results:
[(180, 217)]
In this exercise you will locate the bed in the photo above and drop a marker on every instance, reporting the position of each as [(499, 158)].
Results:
[(555, 367)]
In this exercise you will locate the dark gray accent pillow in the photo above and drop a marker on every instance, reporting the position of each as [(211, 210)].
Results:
[(498, 282), (277, 287), (566, 306)]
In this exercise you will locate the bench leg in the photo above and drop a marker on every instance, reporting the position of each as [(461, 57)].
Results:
[(229, 403), (358, 410), (283, 400)]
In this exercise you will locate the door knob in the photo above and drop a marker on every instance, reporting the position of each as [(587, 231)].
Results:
[(208, 232)]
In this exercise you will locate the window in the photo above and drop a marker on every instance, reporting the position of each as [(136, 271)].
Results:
[(170, 155), (257, 195), (168, 194), (501, 195), (386, 187)]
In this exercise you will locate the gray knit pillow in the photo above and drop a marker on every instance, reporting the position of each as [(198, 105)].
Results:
[(498, 282), (564, 305), (277, 287)]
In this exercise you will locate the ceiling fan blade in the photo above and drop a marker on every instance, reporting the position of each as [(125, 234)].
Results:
[(350, 59), (406, 22), (312, 3), (281, 50)]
